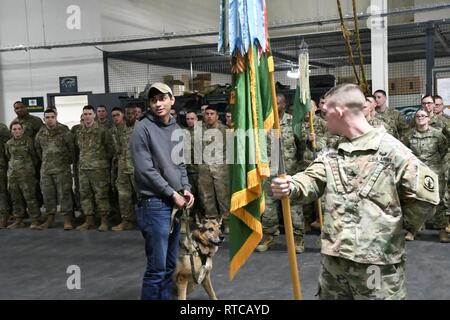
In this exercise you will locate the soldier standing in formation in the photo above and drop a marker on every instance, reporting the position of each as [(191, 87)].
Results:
[(373, 188), (430, 146), (96, 148), (5, 208), (125, 180), (213, 176), (55, 147), (30, 123), (22, 182), (102, 117), (394, 122), (270, 218)]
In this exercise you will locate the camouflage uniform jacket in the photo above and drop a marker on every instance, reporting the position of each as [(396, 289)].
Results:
[(31, 125), (441, 123), (22, 157), (96, 147), (208, 139), (429, 146), (395, 124), (56, 148), (5, 135), (122, 136), (105, 124), (189, 149), (372, 187)]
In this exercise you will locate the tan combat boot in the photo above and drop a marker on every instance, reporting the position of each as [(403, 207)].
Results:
[(4, 221), (17, 224), (267, 241), (443, 236), (299, 244), (409, 236), (50, 223), (104, 224), (88, 224), (124, 225), (35, 224), (68, 222)]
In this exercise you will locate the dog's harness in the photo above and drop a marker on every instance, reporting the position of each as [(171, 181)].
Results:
[(193, 244)]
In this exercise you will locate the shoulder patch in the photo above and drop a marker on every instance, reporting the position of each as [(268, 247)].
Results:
[(427, 185)]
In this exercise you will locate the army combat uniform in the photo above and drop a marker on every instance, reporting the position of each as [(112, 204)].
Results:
[(270, 217), (373, 187), (431, 148), (75, 174), (213, 178), (96, 151), (394, 122), (55, 147), (22, 184), (193, 149), (125, 176), (31, 125), (4, 197)]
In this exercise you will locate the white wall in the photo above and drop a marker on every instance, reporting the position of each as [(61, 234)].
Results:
[(36, 72)]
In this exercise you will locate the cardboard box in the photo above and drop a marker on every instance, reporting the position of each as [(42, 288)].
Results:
[(203, 76), (407, 85), (199, 85), (186, 79), (178, 89)]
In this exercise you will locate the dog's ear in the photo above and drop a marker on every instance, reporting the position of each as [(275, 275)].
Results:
[(220, 221)]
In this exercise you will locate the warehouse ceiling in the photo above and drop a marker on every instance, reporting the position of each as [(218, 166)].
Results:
[(327, 50)]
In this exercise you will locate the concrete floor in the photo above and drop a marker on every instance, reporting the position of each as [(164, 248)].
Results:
[(33, 265)]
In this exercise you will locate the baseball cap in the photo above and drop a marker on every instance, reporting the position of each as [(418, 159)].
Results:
[(159, 87)]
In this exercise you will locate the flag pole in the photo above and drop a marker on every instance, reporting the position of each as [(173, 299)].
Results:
[(289, 232), (314, 147)]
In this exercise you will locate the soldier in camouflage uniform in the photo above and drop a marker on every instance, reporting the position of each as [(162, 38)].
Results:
[(76, 181), (369, 112), (270, 218), (438, 122), (22, 184), (193, 127), (213, 173), (373, 187), (430, 146), (5, 208), (55, 147), (395, 124), (96, 151), (102, 117), (31, 124), (125, 180), (117, 125)]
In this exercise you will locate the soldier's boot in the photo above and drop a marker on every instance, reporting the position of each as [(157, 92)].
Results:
[(88, 224), (103, 224), (409, 236), (124, 225), (50, 223), (443, 236), (68, 222), (18, 223), (315, 225), (299, 244), (35, 224), (265, 244), (4, 221)]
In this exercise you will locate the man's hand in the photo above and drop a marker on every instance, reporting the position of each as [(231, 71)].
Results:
[(280, 187), (189, 197), (179, 200)]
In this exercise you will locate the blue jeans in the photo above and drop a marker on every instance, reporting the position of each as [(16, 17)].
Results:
[(161, 247)]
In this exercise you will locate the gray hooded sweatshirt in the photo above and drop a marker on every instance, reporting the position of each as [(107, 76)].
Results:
[(155, 172)]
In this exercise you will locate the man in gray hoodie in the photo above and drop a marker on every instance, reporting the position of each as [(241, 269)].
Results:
[(161, 185)]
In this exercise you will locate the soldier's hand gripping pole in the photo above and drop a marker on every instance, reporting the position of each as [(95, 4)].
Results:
[(289, 233), (318, 202)]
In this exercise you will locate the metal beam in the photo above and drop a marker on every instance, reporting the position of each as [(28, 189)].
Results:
[(430, 56), (442, 39)]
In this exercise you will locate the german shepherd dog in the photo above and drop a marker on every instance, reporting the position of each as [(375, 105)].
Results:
[(194, 263)]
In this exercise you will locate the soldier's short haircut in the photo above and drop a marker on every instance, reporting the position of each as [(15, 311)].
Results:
[(131, 106), (14, 123), (88, 107), (50, 110), (211, 108), (427, 96), (117, 109), (370, 96), (191, 111), (380, 91), (437, 97), (102, 106), (16, 102), (341, 93)]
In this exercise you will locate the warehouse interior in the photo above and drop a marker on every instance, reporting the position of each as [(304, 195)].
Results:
[(113, 50)]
